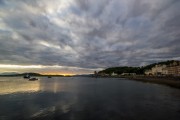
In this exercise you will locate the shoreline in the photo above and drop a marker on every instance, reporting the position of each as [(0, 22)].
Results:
[(168, 81)]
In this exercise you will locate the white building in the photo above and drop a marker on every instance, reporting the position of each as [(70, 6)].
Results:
[(114, 74)]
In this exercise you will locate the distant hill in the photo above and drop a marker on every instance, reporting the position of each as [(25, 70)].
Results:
[(9, 73), (137, 70), (19, 74), (31, 74), (83, 75)]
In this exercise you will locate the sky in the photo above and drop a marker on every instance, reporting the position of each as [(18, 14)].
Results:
[(81, 36)]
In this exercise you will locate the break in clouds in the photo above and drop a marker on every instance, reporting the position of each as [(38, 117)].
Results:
[(89, 34)]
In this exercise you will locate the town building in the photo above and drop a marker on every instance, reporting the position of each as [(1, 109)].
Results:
[(172, 69), (114, 74), (127, 74), (148, 72), (159, 70)]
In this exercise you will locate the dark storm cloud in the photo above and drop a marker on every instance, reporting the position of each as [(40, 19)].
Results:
[(89, 33)]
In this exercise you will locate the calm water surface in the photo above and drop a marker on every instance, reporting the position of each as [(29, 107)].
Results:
[(74, 98)]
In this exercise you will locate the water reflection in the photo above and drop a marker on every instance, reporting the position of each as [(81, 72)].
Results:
[(16, 84), (45, 98), (52, 85), (86, 99)]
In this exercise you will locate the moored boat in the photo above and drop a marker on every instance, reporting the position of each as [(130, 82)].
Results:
[(27, 76), (33, 79)]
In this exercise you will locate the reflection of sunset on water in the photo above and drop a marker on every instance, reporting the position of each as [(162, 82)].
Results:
[(9, 85), (17, 85), (52, 86)]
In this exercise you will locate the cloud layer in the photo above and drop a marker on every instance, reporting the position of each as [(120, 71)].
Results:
[(89, 34)]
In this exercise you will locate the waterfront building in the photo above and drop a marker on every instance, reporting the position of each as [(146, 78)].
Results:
[(124, 74), (159, 70), (173, 70), (114, 74), (178, 68), (148, 72)]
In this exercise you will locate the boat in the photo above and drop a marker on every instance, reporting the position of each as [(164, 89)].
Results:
[(33, 79), (27, 76), (49, 77)]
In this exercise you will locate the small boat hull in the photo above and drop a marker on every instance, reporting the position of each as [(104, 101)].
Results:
[(33, 79), (26, 77)]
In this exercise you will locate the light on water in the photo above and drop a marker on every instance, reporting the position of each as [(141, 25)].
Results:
[(83, 98)]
